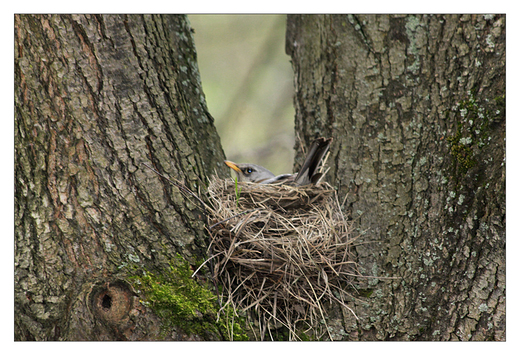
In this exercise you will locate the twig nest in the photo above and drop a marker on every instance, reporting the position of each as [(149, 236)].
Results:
[(281, 250), (277, 197)]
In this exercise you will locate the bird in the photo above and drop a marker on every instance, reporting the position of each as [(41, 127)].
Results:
[(254, 173)]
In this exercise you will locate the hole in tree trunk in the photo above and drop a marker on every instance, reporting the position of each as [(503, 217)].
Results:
[(111, 302), (106, 302)]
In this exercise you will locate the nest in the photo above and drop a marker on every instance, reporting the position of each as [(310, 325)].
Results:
[(281, 252)]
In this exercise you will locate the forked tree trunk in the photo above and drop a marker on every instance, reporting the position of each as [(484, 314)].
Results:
[(96, 97), (416, 106)]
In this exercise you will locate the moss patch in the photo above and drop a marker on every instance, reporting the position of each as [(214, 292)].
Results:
[(183, 303), (472, 134), (365, 292)]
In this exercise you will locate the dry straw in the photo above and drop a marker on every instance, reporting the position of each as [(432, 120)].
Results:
[(280, 252)]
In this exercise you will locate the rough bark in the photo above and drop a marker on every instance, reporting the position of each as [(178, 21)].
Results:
[(95, 98), (416, 106)]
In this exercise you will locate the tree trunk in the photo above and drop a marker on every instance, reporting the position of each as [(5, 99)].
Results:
[(96, 98), (416, 106)]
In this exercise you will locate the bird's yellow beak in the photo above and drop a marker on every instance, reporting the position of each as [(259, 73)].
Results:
[(233, 166)]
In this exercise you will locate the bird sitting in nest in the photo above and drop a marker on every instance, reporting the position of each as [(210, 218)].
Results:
[(248, 172)]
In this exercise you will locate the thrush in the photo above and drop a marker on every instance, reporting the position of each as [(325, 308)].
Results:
[(308, 174)]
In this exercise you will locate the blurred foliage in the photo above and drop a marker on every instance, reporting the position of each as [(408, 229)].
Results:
[(248, 82)]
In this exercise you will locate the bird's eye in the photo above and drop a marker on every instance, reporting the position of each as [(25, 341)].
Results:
[(249, 170)]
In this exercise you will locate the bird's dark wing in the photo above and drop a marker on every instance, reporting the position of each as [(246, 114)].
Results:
[(281, 179), (307, 173)]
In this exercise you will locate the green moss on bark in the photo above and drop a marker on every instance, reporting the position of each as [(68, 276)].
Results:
[(183, 303), (472, 134)]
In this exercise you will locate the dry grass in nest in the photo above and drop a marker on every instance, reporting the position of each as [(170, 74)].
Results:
[(281, 251)]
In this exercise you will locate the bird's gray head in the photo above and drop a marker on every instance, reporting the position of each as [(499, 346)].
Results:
[(248, 172)]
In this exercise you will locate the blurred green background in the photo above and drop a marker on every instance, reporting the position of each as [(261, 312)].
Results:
[(248, 82)]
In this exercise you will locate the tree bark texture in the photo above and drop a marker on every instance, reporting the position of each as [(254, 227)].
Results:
[(416, 106), (95, 98)]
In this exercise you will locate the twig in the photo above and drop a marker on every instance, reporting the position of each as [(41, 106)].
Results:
[(231, 217), (178, 185)]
